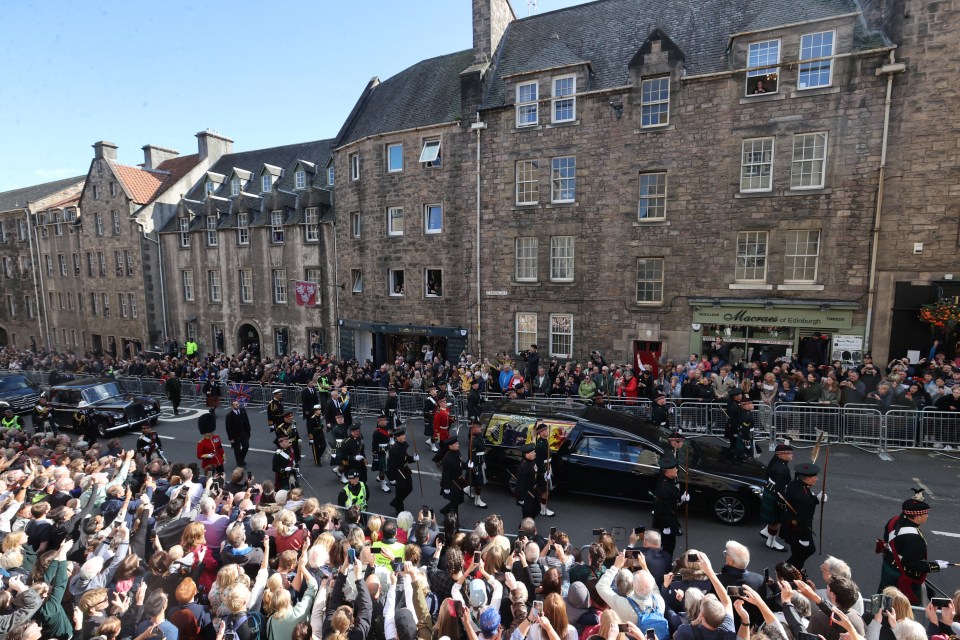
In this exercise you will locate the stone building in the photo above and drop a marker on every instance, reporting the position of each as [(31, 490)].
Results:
[(247, 230), (648, 179), (22, 319)]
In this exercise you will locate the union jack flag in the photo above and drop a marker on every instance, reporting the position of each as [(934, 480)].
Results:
[(241, 393)]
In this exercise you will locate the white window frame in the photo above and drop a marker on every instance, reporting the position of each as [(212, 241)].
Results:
[(245, 281), (243, 229), (11, 306), (331, 175), (810, 49), (118, 263), (77, 265), (426, 282), (277, 235), (102, 261), (209, 187), (214, 286), (563, 178), (128, 259), (749, 164), (113, 188), (266, 183), (58, 223), (122, 304), (562, 258), (393, 215), (94, 304), (652, 286), (805, 159), (431, 155), (133, 304), (750, 263), (799, 253), (235, 186), (354, 159), (186, 283), (762, 67), (555, 318), (211, 225), (281, 341), (356, 277), (391, 167), (21, 229), (392, 282), (70, 300), (311, 224), (115, 215), (653, 113), (356, 225), (525, 255), (527, 105), (106, 305), (523, 337), (314, 275), (48, 260), (652, 196), (561, 97), (62, 263), (527, 179), (279, 278), (300, 180), (427, 228), (98, 222), (29, 306), (183, 231)]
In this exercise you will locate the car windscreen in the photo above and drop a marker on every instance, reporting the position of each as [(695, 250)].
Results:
[(13, 383), (102, 392), (512, 430)]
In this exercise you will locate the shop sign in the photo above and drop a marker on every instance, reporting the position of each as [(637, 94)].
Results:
[(762, 317)]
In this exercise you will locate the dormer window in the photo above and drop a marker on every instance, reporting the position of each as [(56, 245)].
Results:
[(266, 181), (527, 104), (763, 71), (300, 179), (330, 174), (235, 187), (564, 99), (209, 187)]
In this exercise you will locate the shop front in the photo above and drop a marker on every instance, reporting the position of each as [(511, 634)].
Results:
[(383, 343), (767, 330)]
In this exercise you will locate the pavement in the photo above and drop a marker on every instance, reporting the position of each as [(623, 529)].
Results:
[(863, 494)]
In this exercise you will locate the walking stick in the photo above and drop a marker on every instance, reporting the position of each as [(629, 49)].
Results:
[(419, 475), (686, 489), (823, 504)]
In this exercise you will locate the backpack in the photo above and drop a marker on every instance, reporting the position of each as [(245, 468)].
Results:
[(651, 618), (243, 626)]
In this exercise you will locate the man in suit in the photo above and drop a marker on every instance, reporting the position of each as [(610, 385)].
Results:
[(308, 398), (238, 432), (541, 383)]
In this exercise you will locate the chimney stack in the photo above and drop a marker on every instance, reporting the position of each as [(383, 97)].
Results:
[(213, 145), (154, 155), (490, 20), (104, 150)]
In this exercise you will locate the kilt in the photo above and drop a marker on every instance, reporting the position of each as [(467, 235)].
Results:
[(772, 510), (213, 401)]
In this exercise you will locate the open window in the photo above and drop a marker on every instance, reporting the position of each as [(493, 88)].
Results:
[(430, 154), (433, 283), (763, 70), (396, 282)]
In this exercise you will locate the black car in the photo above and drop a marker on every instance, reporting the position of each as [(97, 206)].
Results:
[(111, 407), (612, 454), (19, 392)]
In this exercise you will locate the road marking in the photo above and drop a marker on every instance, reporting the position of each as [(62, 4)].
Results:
[(924, 487), (946, 533), (875, 495), (186, 414)]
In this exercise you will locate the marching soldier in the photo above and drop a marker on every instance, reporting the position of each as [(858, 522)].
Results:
[(798, 521), (379, 442), (526, 490), (429, 410), (288, 429), (42, 421), (284, 465), (451, 478), (210, 448), (666, 503), (354, 492), (275, 410), (398, 469), (441, 425), (544, 472), (678, 445), (474, 401), (734, 396), (392, 409), (318, 441), (660, 414), (476, 474), (85, 425), (743, 434), (352, 456), (905, 564), (339, 417), (148, 444), (772, 509)]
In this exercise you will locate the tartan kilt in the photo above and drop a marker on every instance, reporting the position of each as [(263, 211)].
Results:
[(771, 509)]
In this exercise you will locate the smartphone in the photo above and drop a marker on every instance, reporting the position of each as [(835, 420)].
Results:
[(598, 532), (352, 556), (458, 608), (631, 553), (623, 628), (639, 530), (766, 575), (441, 539), (396, 564), (553, 532), (887, 603), (940, 603), (249, 476), (876, 602), (476, 557), (677, 577), (651, 634), (807, 636), (538, 607), (692, 557), (733, 591)]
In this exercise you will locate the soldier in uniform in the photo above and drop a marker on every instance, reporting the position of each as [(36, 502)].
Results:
[(476, 474), (391, 409), (905, 564), (451, 478), (42, 421), (318, 439), (801, 506), (660, 414), (352, 456), (743, 434), (526, 491), (734, 396), (678, 445), (544, 472), (288, 429), (398, 468), (474, 401), (441, 425), (284, 465), (429, 409), (339, 417), (379, 442), (84, 423), (771, 506), (354, 492), (275, 410), (666, 504), (148, 444)]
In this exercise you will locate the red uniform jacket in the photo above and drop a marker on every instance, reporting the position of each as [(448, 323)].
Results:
[(441, 424), (210, 445)]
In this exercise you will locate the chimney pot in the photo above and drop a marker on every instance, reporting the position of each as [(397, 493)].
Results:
[(154, 155), (213, 144), (104, 150)]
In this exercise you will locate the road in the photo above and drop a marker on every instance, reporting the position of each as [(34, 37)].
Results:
[(864, 492)]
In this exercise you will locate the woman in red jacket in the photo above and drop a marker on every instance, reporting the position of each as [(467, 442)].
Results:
[(630, 389)]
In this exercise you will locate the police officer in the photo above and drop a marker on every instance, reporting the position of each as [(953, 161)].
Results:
[(323, 386), (451, 477), (354, 493), (148, 444), (10, 420), (905, 564), (288, 429), (429, 409), (660, 414), (801, 506), (771, 506), (666, 504), (398, 468), (284, 465), (379, 442), (318, 440), (352, 456), (476, 473), (526, 491), (275, 410), (544, 472)]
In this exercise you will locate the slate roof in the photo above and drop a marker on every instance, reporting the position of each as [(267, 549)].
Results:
[(609, 32), (424, 94), (18, 198), (144, 185)]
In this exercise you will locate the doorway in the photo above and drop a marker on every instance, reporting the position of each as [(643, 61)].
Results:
[(249, 339), (3, 337), (96, 343), (647, 353)]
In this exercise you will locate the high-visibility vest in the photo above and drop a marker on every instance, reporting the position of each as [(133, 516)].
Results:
[(360, 499), (12, 423)]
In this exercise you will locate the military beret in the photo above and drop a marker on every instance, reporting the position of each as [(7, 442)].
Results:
[(353, 473), (399, 432), (452, 440), (527, 448), (355, 426), (783, 447), (807, 469), (668, 462)]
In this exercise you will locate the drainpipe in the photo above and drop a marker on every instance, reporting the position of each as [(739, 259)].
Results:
[(163, 292), (478, 126), (890, 69), (35, 266), (336, 287)]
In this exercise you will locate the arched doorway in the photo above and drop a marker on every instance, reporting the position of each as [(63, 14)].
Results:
[(249, 339), (3, 337)]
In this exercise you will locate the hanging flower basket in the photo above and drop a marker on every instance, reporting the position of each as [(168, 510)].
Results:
[(942, 314)]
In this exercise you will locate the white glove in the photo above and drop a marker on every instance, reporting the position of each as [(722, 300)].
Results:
[(470, 465), (822, 497), (416, 457), (288, 469), (804, 543), (685, 497), (446, 491), (358, 458), (547, 476), (208, 455), (943, 564), (666, 531)]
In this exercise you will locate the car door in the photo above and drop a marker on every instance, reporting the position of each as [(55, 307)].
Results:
[(644, 462), (595, 465)]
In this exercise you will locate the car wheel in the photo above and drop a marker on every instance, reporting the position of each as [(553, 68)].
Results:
[(729, 508)]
